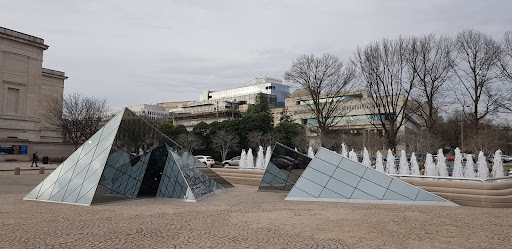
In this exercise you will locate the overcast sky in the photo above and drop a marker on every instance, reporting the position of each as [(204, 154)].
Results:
[(135, 52)]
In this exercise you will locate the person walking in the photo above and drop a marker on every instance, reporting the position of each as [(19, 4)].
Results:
[(34, 159)]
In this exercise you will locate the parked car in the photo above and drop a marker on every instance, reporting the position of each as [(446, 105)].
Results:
[(282, 163), (208, 160), (504, 159), (509, 172), (296, 163), (235, 161)]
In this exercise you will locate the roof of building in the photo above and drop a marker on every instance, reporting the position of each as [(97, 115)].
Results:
[(258, 80), (21, 37)]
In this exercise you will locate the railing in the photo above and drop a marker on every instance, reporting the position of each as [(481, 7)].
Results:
[(453, 178)]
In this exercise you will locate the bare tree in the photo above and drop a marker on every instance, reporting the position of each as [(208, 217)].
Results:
[(478, 72), (430, 59), (189, 142), (389, 80), (257, 138), (506, 58), (423, 142), (224, 142), (77, 116), (325, 79)]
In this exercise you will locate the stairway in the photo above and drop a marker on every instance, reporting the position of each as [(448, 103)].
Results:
[(241, 176)]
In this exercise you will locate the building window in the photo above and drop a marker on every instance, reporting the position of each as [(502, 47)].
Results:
[(13, 100), (270, 87)]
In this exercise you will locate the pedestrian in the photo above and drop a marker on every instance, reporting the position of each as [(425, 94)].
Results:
[(34, 159)]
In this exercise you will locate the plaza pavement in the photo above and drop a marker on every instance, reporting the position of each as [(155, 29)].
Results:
[(240, 217)]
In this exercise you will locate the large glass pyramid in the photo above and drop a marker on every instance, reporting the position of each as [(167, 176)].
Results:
[(331, 177), (285, 167), (126, 158)]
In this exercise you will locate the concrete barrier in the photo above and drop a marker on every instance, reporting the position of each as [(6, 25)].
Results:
[(497, 194), (17, 170), (41, 170)]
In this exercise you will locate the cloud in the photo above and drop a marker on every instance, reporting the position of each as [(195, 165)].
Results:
[(132, 52)]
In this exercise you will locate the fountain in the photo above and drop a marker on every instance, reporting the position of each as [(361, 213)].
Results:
[(469, 172), (243, 160), (415, 168), (260, 160), (344, 152), (366, 159), (430, 166), (441, 163), (268, 155), (311, 154), (390, 164), (352, 156), (379, 166), (483, 170), (497, 167), (250, 159), (457, 167), (403, 168)]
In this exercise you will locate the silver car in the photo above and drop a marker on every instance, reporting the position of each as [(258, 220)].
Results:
[(235, 161)]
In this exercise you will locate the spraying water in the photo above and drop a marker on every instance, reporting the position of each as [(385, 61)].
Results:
[(311, 154), (457, 167), (366, 159), (379, 166), (344, 152), (243, 160), (390, 164), (260, 160), (250, 159), (415, 168), (441, 163), (352, 155), (483, 170), (403, 168), (497, 167), (469, 172), (430, 166), (268, 155)]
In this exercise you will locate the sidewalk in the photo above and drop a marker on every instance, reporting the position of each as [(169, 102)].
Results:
[(9, 166)]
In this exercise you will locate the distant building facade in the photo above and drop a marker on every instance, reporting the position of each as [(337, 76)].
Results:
[(154, 113), (356, 120), (25, 87), (229, 104)]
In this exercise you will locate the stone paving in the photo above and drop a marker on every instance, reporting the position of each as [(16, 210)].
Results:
[(240, 217)]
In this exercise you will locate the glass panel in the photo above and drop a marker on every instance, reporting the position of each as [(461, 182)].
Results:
[(329, 156), (404, 189), (296, 192), (322, 166), (309, 187), (340, 188), (326, 193), (346, 177), (316, 176), (371, 188), (390, 195), (426, 196), (362, 195), (352, 167), (377, 177), (284, 169)]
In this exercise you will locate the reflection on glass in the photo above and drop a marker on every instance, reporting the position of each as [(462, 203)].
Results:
[(284, 169), (126, 158)]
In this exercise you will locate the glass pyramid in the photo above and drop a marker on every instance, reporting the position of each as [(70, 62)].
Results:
[(285, 167), (126, 158), (331, 177)]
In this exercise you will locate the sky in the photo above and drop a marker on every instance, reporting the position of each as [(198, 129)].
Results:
[(144, 52)]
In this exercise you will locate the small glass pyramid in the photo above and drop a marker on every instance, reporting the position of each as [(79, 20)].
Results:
[(126, 158), (332, 177), (285, 167)]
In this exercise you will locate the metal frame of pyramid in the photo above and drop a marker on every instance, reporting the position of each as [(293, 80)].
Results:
[(126, 158), (334, 178)]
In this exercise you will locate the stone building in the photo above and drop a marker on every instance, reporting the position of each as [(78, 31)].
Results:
[(25, 87)]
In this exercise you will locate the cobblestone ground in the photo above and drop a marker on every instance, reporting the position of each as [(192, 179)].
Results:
[(240, 217)]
